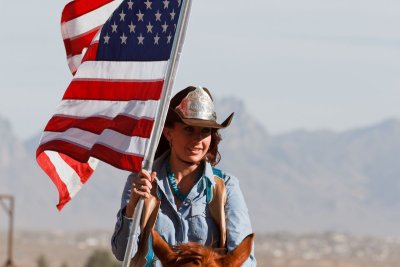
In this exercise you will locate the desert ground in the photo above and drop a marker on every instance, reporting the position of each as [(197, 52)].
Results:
[(272, 250)]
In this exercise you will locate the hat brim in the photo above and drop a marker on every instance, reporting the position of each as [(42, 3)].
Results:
[(207, 123)]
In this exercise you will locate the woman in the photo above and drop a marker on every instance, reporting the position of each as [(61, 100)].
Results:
[(195, 202)]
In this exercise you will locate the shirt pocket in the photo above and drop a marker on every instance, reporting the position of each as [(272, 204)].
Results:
[(198, 226)]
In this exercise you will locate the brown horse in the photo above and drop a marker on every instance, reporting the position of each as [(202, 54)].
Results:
[(194, 254)]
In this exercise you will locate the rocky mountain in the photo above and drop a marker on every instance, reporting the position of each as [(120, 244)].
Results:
[(302, 181), (316, 180)]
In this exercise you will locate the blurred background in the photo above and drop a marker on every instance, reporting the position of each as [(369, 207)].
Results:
[(315, 141)]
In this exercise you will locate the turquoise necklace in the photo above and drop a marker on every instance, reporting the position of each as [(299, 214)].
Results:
[(175, 188)]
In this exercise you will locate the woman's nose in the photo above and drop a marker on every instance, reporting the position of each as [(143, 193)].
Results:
[(198, 135)]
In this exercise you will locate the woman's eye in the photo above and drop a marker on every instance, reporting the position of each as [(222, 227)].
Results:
[(188, 129), (205, 130)]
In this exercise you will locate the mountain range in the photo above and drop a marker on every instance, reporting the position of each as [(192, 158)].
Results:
[(300, 181)]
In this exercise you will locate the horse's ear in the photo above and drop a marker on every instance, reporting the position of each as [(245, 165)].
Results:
[(161, 248), (241, 253)]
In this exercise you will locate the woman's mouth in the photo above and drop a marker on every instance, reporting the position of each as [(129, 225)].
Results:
[(195, 150)]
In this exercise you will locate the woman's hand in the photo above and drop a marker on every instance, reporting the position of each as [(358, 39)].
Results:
[(141, 187)]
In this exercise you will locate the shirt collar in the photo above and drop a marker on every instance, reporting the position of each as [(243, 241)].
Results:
[(159, 164), (208, 173)]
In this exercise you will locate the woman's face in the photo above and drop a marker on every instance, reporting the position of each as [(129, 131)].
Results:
[(188, 143)]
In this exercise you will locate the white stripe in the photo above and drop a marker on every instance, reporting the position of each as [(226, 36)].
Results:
[(122, 143), (68, 175), (96, 38), (74, 62), (93, 163), (112, 139), (108, 109), (88, 21), (122, 70), (79, 137)]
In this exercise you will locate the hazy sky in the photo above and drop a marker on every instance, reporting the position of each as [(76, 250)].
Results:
[(295, 63)]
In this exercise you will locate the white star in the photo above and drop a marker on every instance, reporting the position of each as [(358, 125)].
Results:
[(130, 4), (169, 38), (140, 39), (166, 3), (179, 2), (122, 15), (114, 27), (131, 27), (123, 38), (156, 38), (106, 39), (158, 15), (140, 16), (149, 28), (148, 4), (172, 14), (164, 26)]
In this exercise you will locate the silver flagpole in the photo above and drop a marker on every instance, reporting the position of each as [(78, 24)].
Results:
[(160, 117)]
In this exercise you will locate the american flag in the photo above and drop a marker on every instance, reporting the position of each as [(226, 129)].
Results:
[(80, 22), (108, 110)]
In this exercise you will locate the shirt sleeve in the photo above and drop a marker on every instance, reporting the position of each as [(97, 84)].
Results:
[(237, 217), (123, 224)]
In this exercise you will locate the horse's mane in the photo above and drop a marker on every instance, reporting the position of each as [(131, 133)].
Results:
[(191, 251), (194, 254)]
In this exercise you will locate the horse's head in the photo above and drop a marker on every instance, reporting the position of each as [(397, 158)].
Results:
[(193, 254)]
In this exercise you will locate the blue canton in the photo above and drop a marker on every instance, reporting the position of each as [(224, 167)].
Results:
[(140, 30)]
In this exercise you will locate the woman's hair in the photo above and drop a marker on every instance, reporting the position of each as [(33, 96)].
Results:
[(213, 156)]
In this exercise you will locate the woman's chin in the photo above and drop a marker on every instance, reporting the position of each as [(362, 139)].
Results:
[(195, 158)]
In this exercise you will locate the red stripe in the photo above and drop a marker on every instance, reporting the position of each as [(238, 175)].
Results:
[(74, 46), (75, 152), (114, 90), (122, 124), (83, 170), (106, 154), (126, 162), (45, 163), (78, 8), (91, 53)]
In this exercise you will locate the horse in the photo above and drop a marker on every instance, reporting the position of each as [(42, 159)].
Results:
[(194, 254)]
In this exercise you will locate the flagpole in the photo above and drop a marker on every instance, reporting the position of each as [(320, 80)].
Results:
[(160, 117)]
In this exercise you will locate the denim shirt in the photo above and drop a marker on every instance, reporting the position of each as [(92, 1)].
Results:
[(191, 222)]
